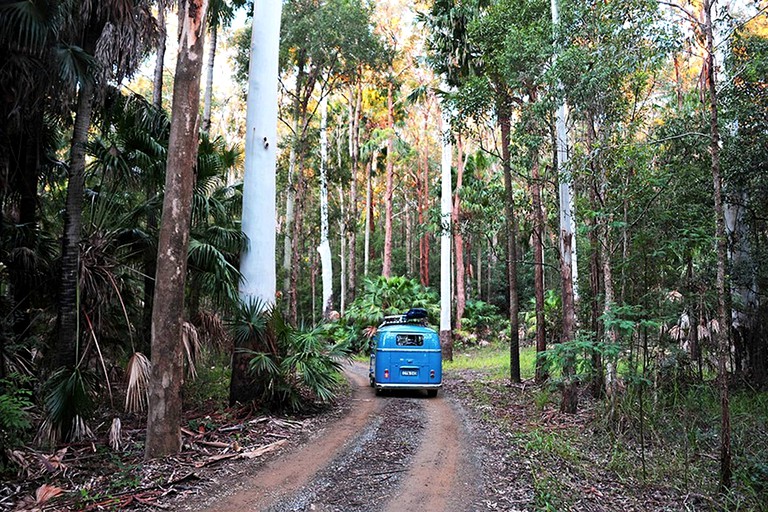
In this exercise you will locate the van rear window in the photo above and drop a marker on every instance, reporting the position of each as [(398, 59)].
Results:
[(410, 340)]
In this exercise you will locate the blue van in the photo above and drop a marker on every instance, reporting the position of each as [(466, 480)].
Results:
[(405, 354)]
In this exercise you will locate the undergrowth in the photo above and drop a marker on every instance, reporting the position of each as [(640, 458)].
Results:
[(668, 448)]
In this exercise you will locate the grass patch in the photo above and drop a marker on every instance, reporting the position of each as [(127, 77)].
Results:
[(492, 361)]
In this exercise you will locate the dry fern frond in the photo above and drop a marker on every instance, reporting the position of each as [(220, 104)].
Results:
[(137, 373)]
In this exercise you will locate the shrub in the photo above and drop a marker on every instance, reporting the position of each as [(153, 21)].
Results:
[(293, 367)]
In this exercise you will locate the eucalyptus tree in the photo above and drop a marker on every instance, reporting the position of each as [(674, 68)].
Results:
[(258, 265), (723, 341), (164, 417), (568, 261), (608, 99), (322, 45), (745, 104), (514, 39), (220, 15), (451, 56)]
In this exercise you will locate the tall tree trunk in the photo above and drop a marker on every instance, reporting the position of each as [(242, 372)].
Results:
[(538, 266), (368, 212), (568, 264), (353, 220), (150, 256), (408, 226), (386, 267), (157, 86), (290, 199), (511, 229), (423, 208), (208, 97), (293, 297), (458, 238), (342, 253), (324, 249), (164, 417), (258, 262), (446, 336), (723, 342), (67, 322)]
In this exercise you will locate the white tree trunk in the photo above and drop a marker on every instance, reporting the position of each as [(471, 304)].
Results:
[(258, 265), (569, 267), (445, 234), (208, 97), (325, 247)]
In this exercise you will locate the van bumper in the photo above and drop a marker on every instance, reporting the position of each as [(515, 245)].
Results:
[(396, 385)]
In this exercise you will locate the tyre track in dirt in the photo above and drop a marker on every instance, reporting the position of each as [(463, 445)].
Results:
[(396, 452), (288, 473), (443, 474)]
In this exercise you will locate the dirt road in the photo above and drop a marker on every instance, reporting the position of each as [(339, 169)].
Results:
[(394, 453)]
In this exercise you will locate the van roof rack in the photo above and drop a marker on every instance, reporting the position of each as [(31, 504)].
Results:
[(412, 316)]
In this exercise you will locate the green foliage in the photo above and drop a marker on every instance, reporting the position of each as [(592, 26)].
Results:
[(552, 316), (15, 420), (294, 367), (579, 353), (381, 296), (210, 388), (70, 399)]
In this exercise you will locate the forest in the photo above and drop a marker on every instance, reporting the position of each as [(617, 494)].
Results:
[(208, 206)]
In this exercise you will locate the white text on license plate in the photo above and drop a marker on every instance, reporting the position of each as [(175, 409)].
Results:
[(409, 373)]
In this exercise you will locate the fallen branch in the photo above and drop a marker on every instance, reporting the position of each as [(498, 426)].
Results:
[(243, 455)]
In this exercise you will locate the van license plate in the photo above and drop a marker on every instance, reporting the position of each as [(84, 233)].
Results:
[(409, 373)]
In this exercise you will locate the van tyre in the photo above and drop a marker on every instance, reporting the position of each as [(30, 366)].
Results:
[(431, 393)]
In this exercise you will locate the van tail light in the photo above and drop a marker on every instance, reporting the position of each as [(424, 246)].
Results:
[(431, 374), (386, 374)]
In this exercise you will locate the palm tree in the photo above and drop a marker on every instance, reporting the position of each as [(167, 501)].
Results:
[(109, 25)]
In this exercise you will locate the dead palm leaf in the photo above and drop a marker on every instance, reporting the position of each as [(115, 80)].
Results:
[(137, 374), (116, 434), (191, 347), (46, 493)]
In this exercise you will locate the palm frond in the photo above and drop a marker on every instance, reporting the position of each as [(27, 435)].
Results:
[(191, 344), (69, 398), (137, 373)]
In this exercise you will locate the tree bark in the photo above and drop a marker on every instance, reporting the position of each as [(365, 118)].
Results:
[(353, 216), (150, 257), (157, 86), (538, 266), (368, 213), (164, 417), (324, 249), (208, 98), (446, 335), (511, 229), (423, 191), (67, 323), (721, 335), (458, 240), (386, 267)]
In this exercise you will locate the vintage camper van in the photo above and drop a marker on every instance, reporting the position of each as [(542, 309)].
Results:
[(405, 354)]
